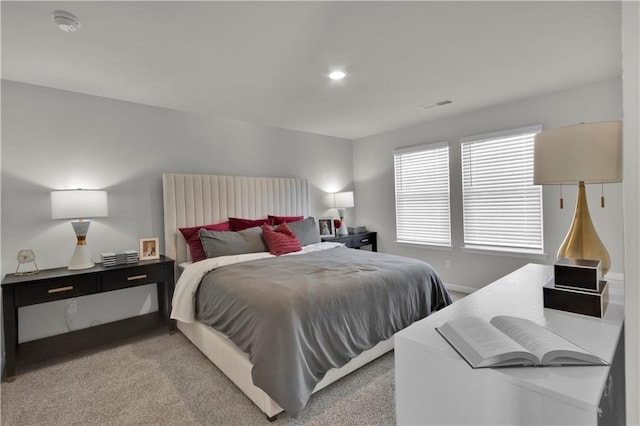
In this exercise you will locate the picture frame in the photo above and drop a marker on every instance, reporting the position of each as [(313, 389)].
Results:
[(325, 227), (149, 248)]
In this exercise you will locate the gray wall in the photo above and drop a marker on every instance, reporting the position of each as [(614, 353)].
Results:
[(631, 137), (374, 182), (54, 139)]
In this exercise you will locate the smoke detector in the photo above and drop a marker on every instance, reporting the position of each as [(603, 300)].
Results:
[(65, 21)]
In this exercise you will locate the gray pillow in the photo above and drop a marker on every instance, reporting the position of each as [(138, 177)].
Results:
[(306, 231), (226, 243)]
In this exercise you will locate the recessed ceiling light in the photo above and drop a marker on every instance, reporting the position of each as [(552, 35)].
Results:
[(65, 21), (337, 75)]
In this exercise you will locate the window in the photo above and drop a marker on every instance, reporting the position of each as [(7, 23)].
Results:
[(422, 194), (501, 205)]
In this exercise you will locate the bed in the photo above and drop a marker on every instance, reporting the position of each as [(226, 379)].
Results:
[(255, 354)]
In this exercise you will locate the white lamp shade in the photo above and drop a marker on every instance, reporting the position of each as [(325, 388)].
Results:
[(343, 200), (78, 204), (590, 152)]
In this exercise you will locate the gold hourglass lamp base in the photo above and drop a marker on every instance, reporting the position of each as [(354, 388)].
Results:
[(582, 240)]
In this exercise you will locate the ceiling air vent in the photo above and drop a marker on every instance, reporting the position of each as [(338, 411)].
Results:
[(437, 104)]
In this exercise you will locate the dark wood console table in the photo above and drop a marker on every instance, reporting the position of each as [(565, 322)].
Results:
[(60, 283)]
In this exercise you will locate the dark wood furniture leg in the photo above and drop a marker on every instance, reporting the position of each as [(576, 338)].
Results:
[(272, 419), (10, 319)]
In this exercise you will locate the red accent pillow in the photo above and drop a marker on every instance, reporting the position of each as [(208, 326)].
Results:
[(280, 240), (193, 239), (277, 220), (238, 224)]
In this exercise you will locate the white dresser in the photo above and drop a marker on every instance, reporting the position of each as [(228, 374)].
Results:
[(434, 385)]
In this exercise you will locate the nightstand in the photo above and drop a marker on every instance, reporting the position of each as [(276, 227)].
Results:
[(60, 283), (356, 240)]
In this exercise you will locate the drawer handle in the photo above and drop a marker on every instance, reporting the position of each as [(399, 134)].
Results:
[(137, 277), (364, 240), (60, 289)]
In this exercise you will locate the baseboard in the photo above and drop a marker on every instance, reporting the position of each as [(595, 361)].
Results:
[(617, 276), (460, 288)]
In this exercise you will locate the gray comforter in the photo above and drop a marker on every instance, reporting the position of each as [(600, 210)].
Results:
[(299, 316)]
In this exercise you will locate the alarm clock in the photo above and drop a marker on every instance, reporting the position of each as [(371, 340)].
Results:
[(26, 256)]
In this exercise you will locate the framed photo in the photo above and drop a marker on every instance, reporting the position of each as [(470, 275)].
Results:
[(325, 226), (149, 248)]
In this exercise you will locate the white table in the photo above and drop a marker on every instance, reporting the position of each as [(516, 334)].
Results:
[(434, 385)]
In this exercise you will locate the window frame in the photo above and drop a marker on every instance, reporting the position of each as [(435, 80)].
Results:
[(402, 237), (488, 246)]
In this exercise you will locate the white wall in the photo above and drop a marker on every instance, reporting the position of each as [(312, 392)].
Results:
[(631, 137), (374, 182), (55, 139), (1, 263)]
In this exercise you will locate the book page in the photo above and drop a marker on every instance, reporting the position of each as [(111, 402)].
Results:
[(482, 345), (550, 348)]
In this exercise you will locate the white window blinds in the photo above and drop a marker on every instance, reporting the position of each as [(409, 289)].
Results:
[(502, 207), (422, 194)]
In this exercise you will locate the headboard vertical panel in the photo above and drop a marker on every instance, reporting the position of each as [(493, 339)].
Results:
[(220, 192), (268, 185), (199, 214), (169, 212), (192, 200)]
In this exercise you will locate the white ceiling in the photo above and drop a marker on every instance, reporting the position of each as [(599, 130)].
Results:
[(266, 62)]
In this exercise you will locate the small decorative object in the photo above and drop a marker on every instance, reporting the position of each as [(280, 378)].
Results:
[(26, 256), (356, 229), (119, 258), (576, 287), (578, 274), (577, 301), (337, 223), (325, 226), (149, 249)]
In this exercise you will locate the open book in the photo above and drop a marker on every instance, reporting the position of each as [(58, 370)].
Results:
[(512, 341)]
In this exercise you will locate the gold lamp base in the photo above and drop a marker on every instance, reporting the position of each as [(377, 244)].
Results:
[(582, 240)]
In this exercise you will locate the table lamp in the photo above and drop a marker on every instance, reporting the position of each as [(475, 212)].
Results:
[(584, 153), (341, 201), (79, 204)]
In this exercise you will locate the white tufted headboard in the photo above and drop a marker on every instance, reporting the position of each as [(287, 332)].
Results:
[(192, 200)]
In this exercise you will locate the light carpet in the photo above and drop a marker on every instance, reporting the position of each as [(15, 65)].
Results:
[(162, 379)]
